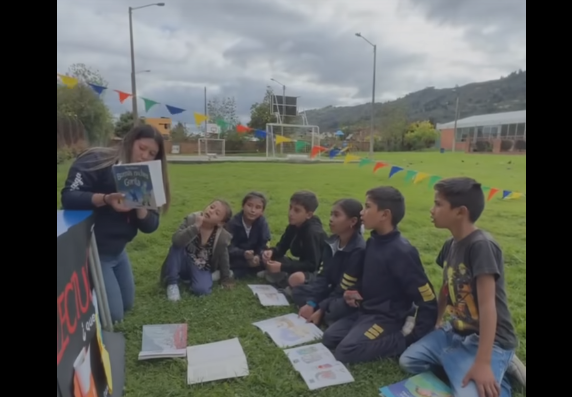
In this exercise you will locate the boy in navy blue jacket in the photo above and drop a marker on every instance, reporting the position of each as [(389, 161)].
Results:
[(250, 236), (392, 283)]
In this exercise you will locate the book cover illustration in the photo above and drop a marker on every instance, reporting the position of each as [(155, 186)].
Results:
[(424, 385), (327, 375), (164, 341), (310, 356), (134, 181)]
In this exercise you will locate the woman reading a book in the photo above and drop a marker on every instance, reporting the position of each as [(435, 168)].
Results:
[(91, 187)]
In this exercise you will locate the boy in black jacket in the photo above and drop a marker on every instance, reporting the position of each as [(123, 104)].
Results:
[(304, 238), (393, 281)]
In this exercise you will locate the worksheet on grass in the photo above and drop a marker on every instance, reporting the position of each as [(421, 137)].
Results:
[(290, 331), (269, 296), (216, 361), (312, 356), (327, 375)]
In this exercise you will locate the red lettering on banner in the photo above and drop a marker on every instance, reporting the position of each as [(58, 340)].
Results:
[(74, 291)]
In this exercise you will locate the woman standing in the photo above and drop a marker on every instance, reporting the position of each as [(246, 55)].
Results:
[(91, 186)]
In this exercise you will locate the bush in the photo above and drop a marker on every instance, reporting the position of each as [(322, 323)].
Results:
[(520, 146), (507, 145), (69, 153), (483, 146)]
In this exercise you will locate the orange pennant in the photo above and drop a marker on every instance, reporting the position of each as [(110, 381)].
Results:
[(242, 129), (379, 166), (316, 150), (123, 96), (493, 193)]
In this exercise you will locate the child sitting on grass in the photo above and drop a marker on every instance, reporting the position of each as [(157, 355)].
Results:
[(477, 347), (322, 300), (199, 253), (304, 238), (250, 236)]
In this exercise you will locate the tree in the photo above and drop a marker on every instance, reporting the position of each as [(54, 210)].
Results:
[(125, 124), (394, 126), (422, 135), (223, 112), (84, 105), (179, 133), (261, 113), (86, 75)]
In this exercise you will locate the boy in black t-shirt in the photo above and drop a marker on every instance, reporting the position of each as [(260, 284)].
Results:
[(477, 348)]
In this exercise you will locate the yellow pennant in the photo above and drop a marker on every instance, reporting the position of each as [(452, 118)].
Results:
[(68, 81), (515, 196), (350, 158), (200, 119), (280, 140), (421, 177)]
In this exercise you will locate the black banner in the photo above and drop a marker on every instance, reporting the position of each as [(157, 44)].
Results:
[(80, 370)]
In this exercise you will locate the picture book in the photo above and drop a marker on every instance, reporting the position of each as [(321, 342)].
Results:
[(216, 361), (310, 356), (327, 375), (164, 341), (290, 331), (269, 296), (141, 184), (424, 385)]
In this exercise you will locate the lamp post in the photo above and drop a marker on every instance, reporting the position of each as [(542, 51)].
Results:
[(372, 137), (457, 115), (133, 71)]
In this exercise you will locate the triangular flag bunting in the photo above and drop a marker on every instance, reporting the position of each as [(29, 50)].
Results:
[(242, 129), (316, 150), (149, 104), (200, 119), (506, 194), (350, 158), (98, 89), (260, 134), (123, 96), (410, 177), (68, 81), (334, 153), (282, 139), (301, 146), (395, 170), (516, 196), (379, 166), (433, 181), (420, 177), (493, 193), (223, 125), (365, 162), (174, 111)]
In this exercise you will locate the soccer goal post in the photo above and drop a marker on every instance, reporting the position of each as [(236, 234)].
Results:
[(212, 147), (304, 133)]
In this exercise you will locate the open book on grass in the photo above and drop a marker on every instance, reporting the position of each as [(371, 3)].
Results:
[(269, 296), (318, 367), (290, 331), (164, 341), (216, 361)]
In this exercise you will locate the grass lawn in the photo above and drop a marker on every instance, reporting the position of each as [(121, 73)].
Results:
[(229, 314)]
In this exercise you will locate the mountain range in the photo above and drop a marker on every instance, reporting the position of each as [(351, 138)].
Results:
[(436, 105)]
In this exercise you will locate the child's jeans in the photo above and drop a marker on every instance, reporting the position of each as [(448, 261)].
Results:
[(456, 354)]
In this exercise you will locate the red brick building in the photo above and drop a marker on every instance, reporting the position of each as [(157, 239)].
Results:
[(501, 132)]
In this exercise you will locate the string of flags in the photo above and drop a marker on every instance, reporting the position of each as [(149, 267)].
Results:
[(200, 118), (411, 176)]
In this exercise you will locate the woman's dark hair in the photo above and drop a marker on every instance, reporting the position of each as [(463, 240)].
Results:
[(227, 207), (255, 196), (353, 209)]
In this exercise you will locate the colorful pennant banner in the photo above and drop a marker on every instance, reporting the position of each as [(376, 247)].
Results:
[(149, 104), (411, 176)]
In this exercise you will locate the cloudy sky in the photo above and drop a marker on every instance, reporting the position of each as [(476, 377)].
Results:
[(235, 47)]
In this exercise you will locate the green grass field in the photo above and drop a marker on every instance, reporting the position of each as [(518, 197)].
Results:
[(229, 314)]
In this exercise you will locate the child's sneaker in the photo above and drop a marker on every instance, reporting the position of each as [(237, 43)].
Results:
[(173, 293), (517, 372)]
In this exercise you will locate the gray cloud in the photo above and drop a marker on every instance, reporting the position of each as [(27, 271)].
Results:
[(236, 47)]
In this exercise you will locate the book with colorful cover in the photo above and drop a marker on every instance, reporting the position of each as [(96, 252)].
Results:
[(164, 341), (141, 184), (424, 385)]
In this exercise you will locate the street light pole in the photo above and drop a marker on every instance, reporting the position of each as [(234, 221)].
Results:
[(457, 115), (135, 110), (374, 89)]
